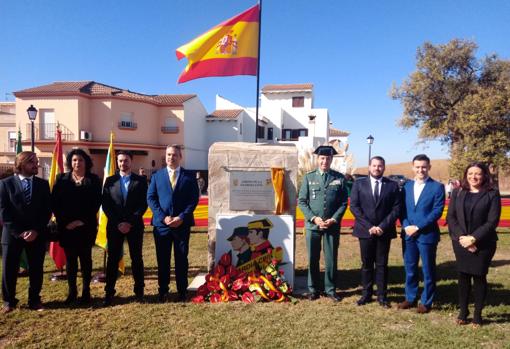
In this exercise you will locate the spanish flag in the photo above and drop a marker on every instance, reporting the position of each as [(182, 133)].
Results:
[(230, 48), (57, 166)]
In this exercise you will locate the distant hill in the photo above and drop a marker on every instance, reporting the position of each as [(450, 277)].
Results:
[(439, 170)]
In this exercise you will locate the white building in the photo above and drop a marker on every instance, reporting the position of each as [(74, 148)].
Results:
[(286, 114)]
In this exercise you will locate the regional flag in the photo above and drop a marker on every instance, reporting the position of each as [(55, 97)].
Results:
[(109, 170), (230, 48), (57, 166)]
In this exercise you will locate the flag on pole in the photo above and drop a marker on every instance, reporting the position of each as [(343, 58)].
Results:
[(230, 48), (57, 167), (109, 170)]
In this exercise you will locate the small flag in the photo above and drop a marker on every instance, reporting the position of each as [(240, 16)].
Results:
[(57, 166), (230, 48)]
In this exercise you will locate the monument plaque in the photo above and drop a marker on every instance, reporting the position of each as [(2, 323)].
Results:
[(251, 190)]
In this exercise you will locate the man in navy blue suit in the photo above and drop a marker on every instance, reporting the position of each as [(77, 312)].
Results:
[(172, 197), (25, 211), (424, 203), (376, 204)]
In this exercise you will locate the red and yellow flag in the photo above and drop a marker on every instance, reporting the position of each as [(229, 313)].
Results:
[(57, 166), (230, 48)]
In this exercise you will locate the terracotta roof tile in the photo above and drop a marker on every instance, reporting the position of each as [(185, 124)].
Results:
[(338, 133), (95, 89), (225, 114), (287, 87)]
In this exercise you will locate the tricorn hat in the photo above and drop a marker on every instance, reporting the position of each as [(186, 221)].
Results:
[(326, 150)]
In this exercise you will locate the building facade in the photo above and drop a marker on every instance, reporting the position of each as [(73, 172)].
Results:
[(86, 112)]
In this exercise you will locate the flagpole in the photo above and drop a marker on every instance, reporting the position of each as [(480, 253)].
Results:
[(258, 75)]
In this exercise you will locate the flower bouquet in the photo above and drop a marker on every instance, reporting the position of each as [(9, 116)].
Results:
[(226, 283)]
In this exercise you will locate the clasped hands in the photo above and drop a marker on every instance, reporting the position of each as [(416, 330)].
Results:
[(375, 231), (411, 230), (74, 224), (124, 227), (173, 222), (29, 235), (323, 224), (468, 242)]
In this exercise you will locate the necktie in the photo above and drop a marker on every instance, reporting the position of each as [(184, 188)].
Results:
[(376, 191), (173, 179), (27, 190), (324, 177)]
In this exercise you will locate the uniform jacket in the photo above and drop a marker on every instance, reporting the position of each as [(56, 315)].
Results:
[(325, 200), (369, 213)]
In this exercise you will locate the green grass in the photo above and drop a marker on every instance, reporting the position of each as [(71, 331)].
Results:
[(236, 325)]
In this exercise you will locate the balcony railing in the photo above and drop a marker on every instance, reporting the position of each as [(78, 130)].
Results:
[(43, 132), (130, 125), (170, 129)]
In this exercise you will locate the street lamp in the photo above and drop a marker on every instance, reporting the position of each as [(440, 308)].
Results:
[(370, 141), (32, 114)]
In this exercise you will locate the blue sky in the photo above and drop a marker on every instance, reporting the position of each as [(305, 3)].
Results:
[(352, 51)]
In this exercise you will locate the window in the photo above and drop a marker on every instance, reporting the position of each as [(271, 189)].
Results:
[(269, 133), (293, 134), (260, 131), (298, 102), (171, 125), (126, 120), (241, 128), (13, 140)]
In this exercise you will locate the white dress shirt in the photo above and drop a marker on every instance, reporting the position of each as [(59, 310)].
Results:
[(372, 183), (418, 188), (177, 173)]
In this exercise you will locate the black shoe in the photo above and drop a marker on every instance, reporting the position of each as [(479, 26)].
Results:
[(314, 296), (364, 300), (163, 297), (108, 301), (384, 303), (85, 298), (71, 298), (334, 297), (182, 298), (37, 306), (139, 298)]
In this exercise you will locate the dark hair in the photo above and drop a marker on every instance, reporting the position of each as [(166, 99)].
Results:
[(126, 153), (486, 180), (421, 157), (21, 159), (379, 158), (83, 154)]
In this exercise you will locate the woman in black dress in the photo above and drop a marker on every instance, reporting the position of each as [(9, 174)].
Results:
[(76, 198), (473, 215)]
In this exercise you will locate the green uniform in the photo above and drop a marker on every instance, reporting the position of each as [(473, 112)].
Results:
[(325, 196)]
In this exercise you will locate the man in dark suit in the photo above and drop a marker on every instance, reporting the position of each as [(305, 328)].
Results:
[(323, 201), (25, 210), (376, 204), (423, 206), (172, 197), (124, 203)]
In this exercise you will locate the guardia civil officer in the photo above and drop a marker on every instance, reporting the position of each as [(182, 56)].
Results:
[(323, 201)]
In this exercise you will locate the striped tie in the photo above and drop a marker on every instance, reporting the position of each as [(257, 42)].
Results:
[(27, 190)]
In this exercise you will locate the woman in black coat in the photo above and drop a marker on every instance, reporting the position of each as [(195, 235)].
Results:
[(473, 215), (76, 198)]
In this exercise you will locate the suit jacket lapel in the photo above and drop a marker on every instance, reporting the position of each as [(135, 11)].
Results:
[(116, 190), (424, 190), (382, 191), (461, 198)]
